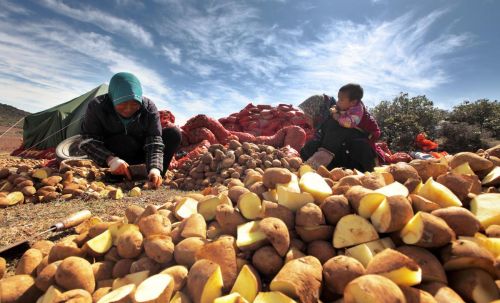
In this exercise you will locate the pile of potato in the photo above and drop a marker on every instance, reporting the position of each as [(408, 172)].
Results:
[(221, 163), (75, 178), (393, 235)]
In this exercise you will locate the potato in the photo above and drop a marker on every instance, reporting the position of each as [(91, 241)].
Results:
[(392, 214), (133, 278), (75, 272), (18, 289), (247, 283), (159, 248), (486, 208), (395, 266), (372, 288), (365, 252), (464, 254), (493, 231), (100, 244), (185, 208), (122, 268), (185, 251), (426, 230), (356, 197), (75, 295), (429, 168), (208, 206), (229, 219), (157, 288), (123, 293), (61, 251), (352, 230), (129, 244), (300, 279), (250, 205), (314, 233), (476, 162), (309, 215), (414, 295), (44, 246), (29, 262), (339, 271), (372, 181), (294, 253), (52, 180), (420, 203), (194, 226), (461, 221), (276, 232), (222, 251), (99, 293), (13, 198), (204, 282), (291, 197), (322, 250), (179, 273), (98, 229), (3, 267), (441, 292), (28, 190), (103, 270), (314, 184), (46, 277), (275, 210), (492, 178), (474, 285), (402, 172), (144, 264), (133, 212), (267, 261), (273, 176), (236, 191), (155, 224), (432, 270), (335, 207)]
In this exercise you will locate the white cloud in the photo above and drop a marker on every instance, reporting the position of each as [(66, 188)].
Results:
[(172, 53), (103, 20), (60, 61), (7, 7)]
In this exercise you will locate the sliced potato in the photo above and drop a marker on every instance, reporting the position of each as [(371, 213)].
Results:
[(352, 230)]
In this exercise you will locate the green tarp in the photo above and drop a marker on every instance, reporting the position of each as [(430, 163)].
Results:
[(49, 127)]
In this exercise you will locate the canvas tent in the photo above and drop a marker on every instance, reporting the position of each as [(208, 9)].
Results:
[(47, 128)]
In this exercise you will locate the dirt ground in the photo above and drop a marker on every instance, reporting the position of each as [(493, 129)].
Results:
[(11, 140)]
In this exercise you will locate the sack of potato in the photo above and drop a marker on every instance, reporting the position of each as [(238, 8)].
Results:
[(419, 232)]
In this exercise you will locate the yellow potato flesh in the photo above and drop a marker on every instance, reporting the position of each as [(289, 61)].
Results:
[(246, 284), (438, 193)]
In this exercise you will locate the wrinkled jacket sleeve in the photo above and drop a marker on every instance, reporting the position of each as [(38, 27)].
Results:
[(92, 137), (154, 143)]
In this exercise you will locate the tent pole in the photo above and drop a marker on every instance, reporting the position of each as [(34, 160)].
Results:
[(11, 127)]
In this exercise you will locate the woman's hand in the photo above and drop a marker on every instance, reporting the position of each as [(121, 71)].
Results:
[(118, 166), (155, 178)]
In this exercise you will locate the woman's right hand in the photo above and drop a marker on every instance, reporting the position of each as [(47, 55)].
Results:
[(118, 166)]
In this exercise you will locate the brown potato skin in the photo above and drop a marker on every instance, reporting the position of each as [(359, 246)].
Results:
[(103, 270), (389, 260), (272, 209), (223, 252), (122, 268), (420, 203), (29, 262), (464, 282), (198, 276), (341, 270), (309, 215), (334, 208), (47, 276), (400, 213), (355, 194), (179, 273), (160, 248), (461, 221), (129, 244), (273, 176), (414, 295), (74, 273), (493, 231), (378, 286), (432, 270), (436, 232), (277, 233), (267, 261), (19, 289), (402, 172), (305, 274), (185, 251), (441, 292), (322, 250)]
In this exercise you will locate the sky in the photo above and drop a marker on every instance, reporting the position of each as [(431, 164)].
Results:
[(214, 57)]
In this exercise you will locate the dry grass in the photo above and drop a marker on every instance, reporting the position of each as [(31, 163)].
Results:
[(22, 221)]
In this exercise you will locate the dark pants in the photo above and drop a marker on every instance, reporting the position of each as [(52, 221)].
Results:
[(350, 147), (131, 150)]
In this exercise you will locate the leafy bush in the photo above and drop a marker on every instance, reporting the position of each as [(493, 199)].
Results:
[(403, 118), (461, 136), (483, 113)]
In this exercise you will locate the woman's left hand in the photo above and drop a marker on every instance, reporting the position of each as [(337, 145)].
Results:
[(155, 178)]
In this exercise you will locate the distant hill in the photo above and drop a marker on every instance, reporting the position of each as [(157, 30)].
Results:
[(10, 115)]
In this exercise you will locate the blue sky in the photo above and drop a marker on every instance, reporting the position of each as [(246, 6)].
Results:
[(214, 57)]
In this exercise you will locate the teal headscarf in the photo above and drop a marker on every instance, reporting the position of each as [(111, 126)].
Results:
[(124, 87)]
